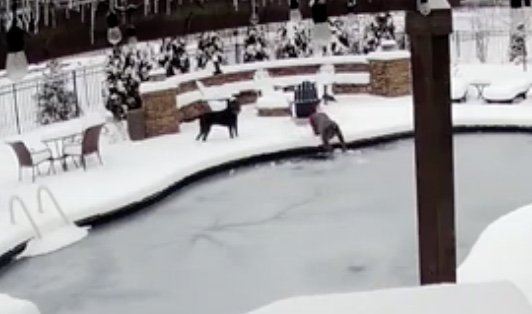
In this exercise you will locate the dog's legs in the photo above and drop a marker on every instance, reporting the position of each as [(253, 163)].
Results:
[(235, 128), (206, 133)]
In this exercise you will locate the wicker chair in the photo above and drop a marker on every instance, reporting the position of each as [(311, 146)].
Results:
[(89, 145), (31, 159)]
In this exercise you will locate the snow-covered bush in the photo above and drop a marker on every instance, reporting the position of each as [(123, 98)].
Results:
[(255, 45), (210, 50), (125, 69), (55, 101), (380, 28), (340, 44), (174, 57), (294, 41)]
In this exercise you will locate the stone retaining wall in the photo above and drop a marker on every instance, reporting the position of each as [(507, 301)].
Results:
[(389, 76)]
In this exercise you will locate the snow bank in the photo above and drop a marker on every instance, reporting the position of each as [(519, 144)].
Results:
[(485, 298), (502, 252), (10, 305)]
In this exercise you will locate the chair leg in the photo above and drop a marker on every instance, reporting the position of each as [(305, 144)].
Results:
[(33, 174), (83, 163)]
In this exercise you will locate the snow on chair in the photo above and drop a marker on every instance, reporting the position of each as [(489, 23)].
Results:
[(507, 91), (459, 90), (271, 102)]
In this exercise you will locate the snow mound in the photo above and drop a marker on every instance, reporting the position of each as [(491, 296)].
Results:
[(485, 298), (502, 252), (10, 305), (506, 90), (55, 240)]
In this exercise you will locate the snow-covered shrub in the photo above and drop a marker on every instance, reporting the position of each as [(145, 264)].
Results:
[(340, 44), (380, 28), (174, 57), (255, 45), (55, 101), (518, 44), (125, 69), (210, 50), (294, 41)]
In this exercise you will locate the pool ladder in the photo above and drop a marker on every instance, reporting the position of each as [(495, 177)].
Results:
[(41, 191)]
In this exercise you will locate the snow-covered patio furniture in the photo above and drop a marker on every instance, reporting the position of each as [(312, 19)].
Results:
[(89, 145), (31, 158), (507, 91), (271, 102), (216, 98), (306, 100), (459, 90)]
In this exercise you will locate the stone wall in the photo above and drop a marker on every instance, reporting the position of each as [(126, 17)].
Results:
[(161, 113), (390, 77)]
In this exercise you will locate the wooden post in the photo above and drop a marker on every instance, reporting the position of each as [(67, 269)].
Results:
[(430, 61)]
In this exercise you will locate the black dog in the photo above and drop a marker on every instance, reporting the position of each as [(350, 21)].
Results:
[(227, 117)]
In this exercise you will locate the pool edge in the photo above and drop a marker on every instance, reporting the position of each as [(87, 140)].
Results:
[(10, 256)]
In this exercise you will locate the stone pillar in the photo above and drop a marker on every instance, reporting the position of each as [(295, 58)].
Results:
[(390, 73), (161, 113)]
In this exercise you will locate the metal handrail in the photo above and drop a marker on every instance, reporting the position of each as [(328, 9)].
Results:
[(16, 199), (40, 192)]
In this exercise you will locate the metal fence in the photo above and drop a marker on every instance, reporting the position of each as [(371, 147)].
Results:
[(18, 102)]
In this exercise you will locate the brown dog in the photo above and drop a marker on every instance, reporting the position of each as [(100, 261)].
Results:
[(323, 125)]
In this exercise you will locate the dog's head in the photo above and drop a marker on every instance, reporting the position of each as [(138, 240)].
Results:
[(234, 106)]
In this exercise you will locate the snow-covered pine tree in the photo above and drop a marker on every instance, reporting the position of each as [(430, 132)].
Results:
[(55, 101), (255, 45), (210, 50), (380, 28), (294, 41), (126, 68), (340, 44), (174, 57)]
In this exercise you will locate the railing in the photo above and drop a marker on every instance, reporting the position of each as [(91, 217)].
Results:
[(41, 191), (17, 200)]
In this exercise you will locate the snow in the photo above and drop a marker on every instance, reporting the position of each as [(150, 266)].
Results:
[(486, 298), (389, 55), (502, 252), (272, 101), (459, 88), (10, 305), (506, 90), (55, 240)]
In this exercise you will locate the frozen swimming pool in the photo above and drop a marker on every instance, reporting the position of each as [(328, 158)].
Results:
[(239, 241)]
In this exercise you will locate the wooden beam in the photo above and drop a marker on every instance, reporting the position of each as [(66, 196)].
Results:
[(429, 39)]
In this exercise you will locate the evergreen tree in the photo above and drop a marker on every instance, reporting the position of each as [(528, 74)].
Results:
[(126, 68), (518, 45), (174, 57), (210, 50), (381, 28), (294, 41), (55, 102), (255, 45), (340, 44)]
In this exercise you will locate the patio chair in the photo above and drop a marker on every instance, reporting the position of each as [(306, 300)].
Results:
[(31, 159), (306, 100), (89, 145)]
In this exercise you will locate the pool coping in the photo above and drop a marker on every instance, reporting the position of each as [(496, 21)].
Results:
[(10, 256)]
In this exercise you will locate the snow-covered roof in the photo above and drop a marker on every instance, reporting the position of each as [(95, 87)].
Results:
[(479, 298)]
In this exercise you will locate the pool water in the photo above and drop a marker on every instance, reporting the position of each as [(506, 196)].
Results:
[(244, 239)]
